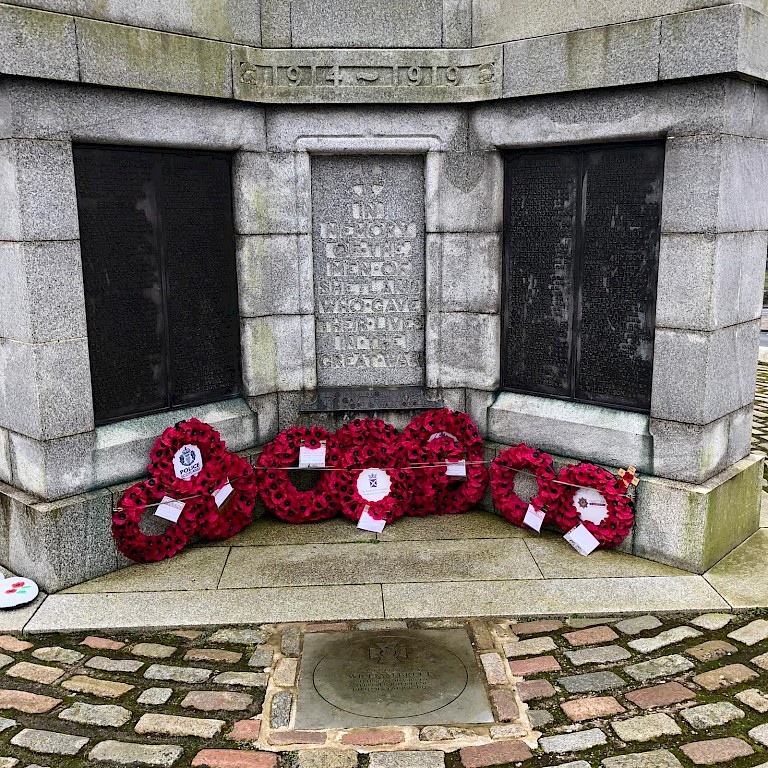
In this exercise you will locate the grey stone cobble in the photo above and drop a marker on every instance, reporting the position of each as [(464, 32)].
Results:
[(531, 647), (107, 689), (153, 650), (155, 696), (243, 679), (602, 654), (56, 653), (538, 718), (752, 633), (657, 758), (114, 665), (49, 742), (663, 639), (5, 660), (110, 715), (261, 657), (573, 742), (760, 734), (646, 727), (177, 674), (281, 709), (637, 625), (754, 699), (8, 762), (128, 753), (711, 715), (408, 759), (240, 636), (6, 723), (290, 642), (175, 725), (593, 682), (712, 621), (493, 665), (664, 666)]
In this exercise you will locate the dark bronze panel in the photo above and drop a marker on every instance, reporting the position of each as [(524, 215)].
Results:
[(617, 297), (540, 225), (159, 273), (119, 238), (580, 269)]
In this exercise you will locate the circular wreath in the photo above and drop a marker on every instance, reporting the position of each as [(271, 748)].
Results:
[(186, 433), (276, 489), (356, 461), (443, 422), (616, 524), (237, 511), (366, 431), (504, 469), (146, 548), (435, 492)]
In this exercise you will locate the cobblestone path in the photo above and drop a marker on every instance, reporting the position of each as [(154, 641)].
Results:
[(760, 419), (643, 692)]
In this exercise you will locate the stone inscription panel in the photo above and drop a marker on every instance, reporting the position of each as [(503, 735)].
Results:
[(377, 678), (367, 75), (369, 266)]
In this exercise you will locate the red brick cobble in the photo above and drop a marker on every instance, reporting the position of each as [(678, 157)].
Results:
[(591, 636), (591, 708), (372, 738), (529, 690), (30, 703), (717, 750), (234, 758), (297, 737), (495, 754), (504, 703), (13, 644), (102, 643), (533, 666), (660, 695), (245, 730), (536, 627)]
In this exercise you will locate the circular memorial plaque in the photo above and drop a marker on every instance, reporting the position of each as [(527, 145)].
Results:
[(390, 676)]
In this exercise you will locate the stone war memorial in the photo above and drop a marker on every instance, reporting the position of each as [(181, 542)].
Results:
[(266, 213)]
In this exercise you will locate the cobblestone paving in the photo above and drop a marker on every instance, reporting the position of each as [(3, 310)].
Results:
[(760, 419), (643, 692)]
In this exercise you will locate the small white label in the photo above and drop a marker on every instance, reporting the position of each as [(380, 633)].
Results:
[(312, 457), (534, 518), (456, 469), (220, 495), (436, 435), (591, 505), (170, 509), (373, 484), (187, 462), (582, 540), (15, 591), (368, 523)]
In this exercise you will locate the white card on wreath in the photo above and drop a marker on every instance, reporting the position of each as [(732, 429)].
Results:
[(534, 518), (582, 540), (170, 509), (371, 524), (220, 495), (456, 469), (311, 457)]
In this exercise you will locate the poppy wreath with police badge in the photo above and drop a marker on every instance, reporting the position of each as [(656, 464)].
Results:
[(276, 489), (504, 469), (180, 454), (372, 480), (237, 510), (147, 548), (593, 497)]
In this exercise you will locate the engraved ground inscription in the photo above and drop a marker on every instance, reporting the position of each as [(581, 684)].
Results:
[(368, 245)]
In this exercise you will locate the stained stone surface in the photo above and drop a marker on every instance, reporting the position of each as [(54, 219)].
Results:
[(416, 677), (369, 266)]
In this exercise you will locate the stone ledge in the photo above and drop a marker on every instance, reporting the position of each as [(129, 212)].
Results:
[(588, 432)]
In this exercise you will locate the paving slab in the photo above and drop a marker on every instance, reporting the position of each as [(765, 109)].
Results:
[(141, 610), (742, 576), (472, 525), (559, 560), (550, 597), (267, 531), (191, 569), (392, 561)]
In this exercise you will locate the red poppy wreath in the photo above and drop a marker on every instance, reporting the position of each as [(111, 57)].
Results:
[(372, 482), (504, 469), (146, 548), (234, 499), (596, 499), (276, 489), (443, 422), (179, 455)]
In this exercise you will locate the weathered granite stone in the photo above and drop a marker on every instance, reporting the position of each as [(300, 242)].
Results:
[(177, 674), (752, 633), (601, 655), (637, 625), (57, 654), (657, 758), (646, 727), (128, 753), (573, 742), (155, 696), (49, 742), (711, 715), (594, 682), (371, 281), (663, 639), (109, 715), (664, 666), (713, 621), (114, 665), (281, 709)]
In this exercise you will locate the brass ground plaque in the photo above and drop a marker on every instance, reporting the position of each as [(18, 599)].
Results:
[(402, 677)]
